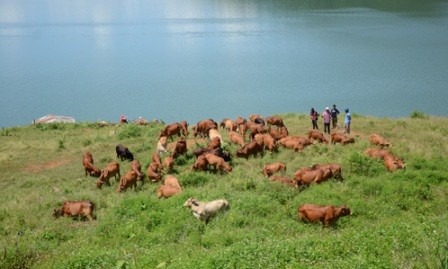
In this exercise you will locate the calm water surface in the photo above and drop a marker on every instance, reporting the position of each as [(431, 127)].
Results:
[(196, 59)]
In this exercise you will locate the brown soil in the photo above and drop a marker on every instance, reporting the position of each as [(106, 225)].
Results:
[(49, 165)]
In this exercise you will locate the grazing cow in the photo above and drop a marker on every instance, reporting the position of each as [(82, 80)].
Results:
[(236, 138), (256, 128), (274, 120), (170, 188), (168, 163), (279, 133), (218, 152), (180, 148), (252, 148), (328, 214), (214, 143), (171, 130), (306, 176), (228, 124), (156, 159), (270, 169), (267, 141), (162, 144), (206, 210), (393, 163), (123, 153), (137, 168), (240, 120), (284, 180), (218, 163), (242, 126), (153, 172), (336, 170), (111, 170), (76, 209), (127, 181), (184, 127), (203, 127), (89, 168), (341, 138), (377, 140), (376, 153), (258, 119), (201, 163), (317, 135)]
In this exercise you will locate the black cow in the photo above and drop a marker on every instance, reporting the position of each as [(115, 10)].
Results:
[(259, 121), (124, 153)]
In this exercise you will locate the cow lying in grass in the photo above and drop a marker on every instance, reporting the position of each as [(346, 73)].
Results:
[(206, 210), (328, 215), (170, 188), (76, 209), (89, 168)]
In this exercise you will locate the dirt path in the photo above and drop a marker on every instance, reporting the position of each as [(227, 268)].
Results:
[(49, 165)]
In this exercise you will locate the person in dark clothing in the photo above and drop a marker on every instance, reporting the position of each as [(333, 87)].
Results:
[(314, 116), (334, 116)]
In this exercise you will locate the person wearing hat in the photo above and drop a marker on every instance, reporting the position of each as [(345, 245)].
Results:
[(347, 121), (326, 115), (334, 116)]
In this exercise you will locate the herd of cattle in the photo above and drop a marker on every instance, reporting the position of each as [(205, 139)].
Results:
[(254, 137)]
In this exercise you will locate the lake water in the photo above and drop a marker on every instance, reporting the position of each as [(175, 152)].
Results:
[(197, 59)]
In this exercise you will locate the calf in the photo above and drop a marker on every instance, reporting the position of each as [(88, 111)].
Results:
[(393, 163), (206, 210), (215, 142), (156, 159), (89, 168), (171, 130), (127, 181), (111, 170), (317, 135), (180, 148), (236, 138), (76, 209), (328, 215), (123, 153), (137, 168), (168, 163), (336, 170), (170, 188), (270, 169)]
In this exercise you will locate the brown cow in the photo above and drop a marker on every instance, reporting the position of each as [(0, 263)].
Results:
[(184, 128), (274, 120), (328, 214), (170, 130), (377, 140), (290, 142), (270, 169), (341, 138), (306, 176), (203, 127), (89, 168), (168, 163), (317, 135), (153, 172), (180, 148), (228, 124), (236, 138), (284, 180), (256, 128), (218, 163), (76, 209), (252, 148), (336, 170), (156, 159), (279, 133), (170, 188), (127, 181), (200, 164), (393, 163), (111, 170), (267, 141), (376, 153), (137, 168), (214, 143)]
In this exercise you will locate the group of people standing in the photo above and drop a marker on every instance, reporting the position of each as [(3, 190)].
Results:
[(331, 117)]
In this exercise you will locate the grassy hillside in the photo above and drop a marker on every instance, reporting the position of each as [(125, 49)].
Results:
[(399, 220)]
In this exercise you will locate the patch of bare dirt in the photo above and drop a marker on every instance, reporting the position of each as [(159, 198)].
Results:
[(49, 165)]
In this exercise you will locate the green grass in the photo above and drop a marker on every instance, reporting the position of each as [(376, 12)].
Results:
[(399, 220)]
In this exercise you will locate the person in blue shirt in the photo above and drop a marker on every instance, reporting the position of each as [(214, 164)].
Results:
[(347, 121)]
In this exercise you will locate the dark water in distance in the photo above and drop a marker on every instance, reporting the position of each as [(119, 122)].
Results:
[(197, 59)]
